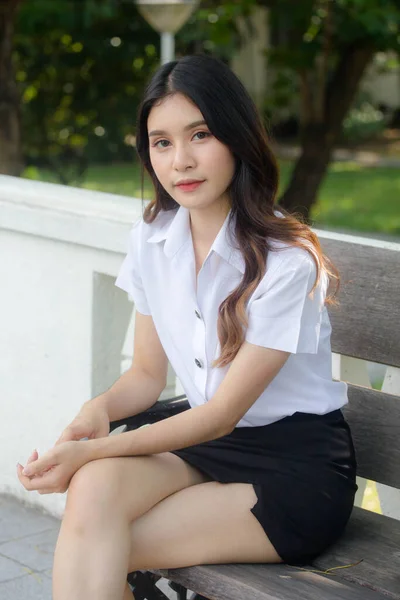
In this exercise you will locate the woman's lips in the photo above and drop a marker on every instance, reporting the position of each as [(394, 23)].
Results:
[(190, 187)]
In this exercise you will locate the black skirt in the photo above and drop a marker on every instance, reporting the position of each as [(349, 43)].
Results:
[(303, 470)]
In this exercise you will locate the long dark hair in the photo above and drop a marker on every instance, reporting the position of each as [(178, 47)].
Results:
[(233, 119)]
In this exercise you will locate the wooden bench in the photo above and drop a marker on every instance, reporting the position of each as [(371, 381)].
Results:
[(366, 326)]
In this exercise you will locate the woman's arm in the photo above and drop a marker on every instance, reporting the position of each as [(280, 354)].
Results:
[(134, 392), (252, 370)]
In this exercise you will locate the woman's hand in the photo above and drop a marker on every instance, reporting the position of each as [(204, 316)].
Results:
[(91, 422), (53, 472)]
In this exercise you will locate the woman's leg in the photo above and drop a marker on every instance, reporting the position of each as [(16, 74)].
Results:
[(128, 593), (209, 523), (104, 497)]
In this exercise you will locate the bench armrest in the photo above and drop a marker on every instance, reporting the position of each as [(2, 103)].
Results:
[(160, 410)]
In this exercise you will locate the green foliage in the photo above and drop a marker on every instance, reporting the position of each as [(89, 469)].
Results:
[(379, 20), (82, 65), (300, 27), (304, 32), (213, 29), (363, 121), (81, 68)]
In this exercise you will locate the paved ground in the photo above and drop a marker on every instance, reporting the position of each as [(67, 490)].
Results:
[(27, 541)]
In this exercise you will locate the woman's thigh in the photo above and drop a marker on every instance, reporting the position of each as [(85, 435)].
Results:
[(127, 487), (209, 523)]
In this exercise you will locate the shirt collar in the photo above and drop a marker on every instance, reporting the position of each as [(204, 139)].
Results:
[(176, 234)]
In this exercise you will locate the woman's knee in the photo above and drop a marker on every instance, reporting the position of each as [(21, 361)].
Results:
[(125, 487), (95, 489)]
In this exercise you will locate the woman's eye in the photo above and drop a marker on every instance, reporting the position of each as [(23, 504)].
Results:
[(156, 145), (203, 133)]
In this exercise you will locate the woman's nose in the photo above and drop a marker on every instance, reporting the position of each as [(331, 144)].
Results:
[(182, 158)]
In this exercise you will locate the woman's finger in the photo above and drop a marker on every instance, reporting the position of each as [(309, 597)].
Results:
[(33, 456), (44, 482), (26, 482), (42, 464)]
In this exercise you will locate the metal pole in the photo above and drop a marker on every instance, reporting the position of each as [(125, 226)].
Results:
[(167, 47)]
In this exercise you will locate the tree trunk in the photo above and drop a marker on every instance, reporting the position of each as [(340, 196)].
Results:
[(10, 122), (319, 138), (308, 173)]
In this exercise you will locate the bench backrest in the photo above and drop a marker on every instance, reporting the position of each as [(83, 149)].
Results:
[(366, 325)]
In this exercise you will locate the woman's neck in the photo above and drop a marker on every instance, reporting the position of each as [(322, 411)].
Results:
[(206, 223)]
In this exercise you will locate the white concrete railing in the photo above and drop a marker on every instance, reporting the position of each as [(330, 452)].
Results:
[(66, 332)]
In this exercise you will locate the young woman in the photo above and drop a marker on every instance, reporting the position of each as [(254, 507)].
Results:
[(233, 293)]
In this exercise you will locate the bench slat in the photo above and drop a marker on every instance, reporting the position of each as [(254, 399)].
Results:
[(374, 418), (375, 539), (266, 582), (366, 324)]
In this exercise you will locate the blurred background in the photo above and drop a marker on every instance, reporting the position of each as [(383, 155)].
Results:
[(325, 75)]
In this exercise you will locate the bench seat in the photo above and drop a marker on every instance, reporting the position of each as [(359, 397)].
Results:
[(374, 539), (370, 538)]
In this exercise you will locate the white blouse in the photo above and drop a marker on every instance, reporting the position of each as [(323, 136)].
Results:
[(159, 274)]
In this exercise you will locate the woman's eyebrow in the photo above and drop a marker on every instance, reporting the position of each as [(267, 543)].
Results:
[(186, 128)]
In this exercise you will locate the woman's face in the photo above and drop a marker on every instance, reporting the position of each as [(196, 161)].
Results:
[(183, 149)]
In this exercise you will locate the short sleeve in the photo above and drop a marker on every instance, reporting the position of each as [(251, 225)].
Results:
[(286, 316), (129, 278)]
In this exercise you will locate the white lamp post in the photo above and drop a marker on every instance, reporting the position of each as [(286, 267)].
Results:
[(167, 17)]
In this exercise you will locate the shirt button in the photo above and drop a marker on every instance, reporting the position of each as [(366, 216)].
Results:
[(198, 315), (198, 363)]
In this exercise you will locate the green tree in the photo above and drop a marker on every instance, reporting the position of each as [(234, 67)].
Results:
[(213, 29), (81, 68), (10, 129), (326, 46)]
